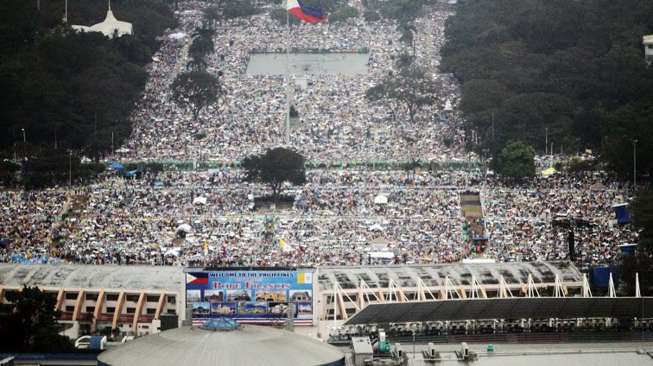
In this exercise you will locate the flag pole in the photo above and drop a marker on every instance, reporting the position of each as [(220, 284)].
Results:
[(287, 74)]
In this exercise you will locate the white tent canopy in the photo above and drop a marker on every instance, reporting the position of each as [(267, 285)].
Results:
[(177, 36), (381, 199), (199, 200), (184, 227), (376, 227)]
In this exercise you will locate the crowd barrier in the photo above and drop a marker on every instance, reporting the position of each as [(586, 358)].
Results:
[(171, 165)]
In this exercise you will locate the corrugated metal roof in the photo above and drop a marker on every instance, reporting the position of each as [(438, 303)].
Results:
[(251, 345), (459, 274), (162, 278), (511, 308)]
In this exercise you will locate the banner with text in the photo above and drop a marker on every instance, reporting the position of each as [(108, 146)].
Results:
[(251, 296)]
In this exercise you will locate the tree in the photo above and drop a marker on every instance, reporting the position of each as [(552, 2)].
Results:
[(70, 89), (586, 82), (196, 90), (30, 321), (282, 16), (410, 87), (239, 9), (401, 10), (201, 47), (48, 167), (642, 261), (276, 167), (342, 14), (516, 161), (212, 14), (8, 171), (407, 31), (642, 210)]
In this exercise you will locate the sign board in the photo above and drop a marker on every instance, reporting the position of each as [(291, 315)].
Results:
[(250, 296)]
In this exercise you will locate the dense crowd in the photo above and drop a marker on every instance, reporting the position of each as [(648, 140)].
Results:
[(336, 122), (339, 216), (342, 217)]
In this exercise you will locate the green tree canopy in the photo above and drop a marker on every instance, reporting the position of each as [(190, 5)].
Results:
[(410, 87), (642, 261), (516, 161), (68, 89), (575, 68), (239, 9), (276, 167), (29, 324), (196, 90)]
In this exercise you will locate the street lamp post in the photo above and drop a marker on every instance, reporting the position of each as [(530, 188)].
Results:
[(634, 164), (414, 330), (70, 168), (24, 144)]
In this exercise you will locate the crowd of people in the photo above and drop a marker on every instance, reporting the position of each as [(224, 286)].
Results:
[(339, 217), (348, 216), (336, 121)]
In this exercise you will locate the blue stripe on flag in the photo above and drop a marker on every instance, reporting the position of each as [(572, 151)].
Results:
[(310, 10)]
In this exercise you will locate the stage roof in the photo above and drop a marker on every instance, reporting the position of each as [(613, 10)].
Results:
[(506, 308), (348, 277)]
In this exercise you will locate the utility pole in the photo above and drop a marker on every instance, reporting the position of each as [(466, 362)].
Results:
[(24, 143), (493, 127), (634, 164), (70, 168), (546, 139)]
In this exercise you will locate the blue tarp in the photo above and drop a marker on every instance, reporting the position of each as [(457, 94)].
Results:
[(116, 166), (600, 276), (622, 213), (628, 249), (131, 174)]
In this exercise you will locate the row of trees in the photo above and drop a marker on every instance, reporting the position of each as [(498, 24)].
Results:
[(572, 70), (197, 89), (69, 90)]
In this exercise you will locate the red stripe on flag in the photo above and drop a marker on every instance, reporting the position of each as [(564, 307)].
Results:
[(299, 14)]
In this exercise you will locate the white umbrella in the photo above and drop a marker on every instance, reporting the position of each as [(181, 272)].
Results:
[(177, 36), (199, 201), (381, 199), (376, 227), (172, 252), (184, 227)]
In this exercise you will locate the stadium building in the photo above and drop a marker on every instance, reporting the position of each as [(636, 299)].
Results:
[(108, 299), (139, 300)]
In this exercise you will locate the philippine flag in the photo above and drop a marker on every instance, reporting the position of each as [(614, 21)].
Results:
[(304, 12), (201, 278)]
